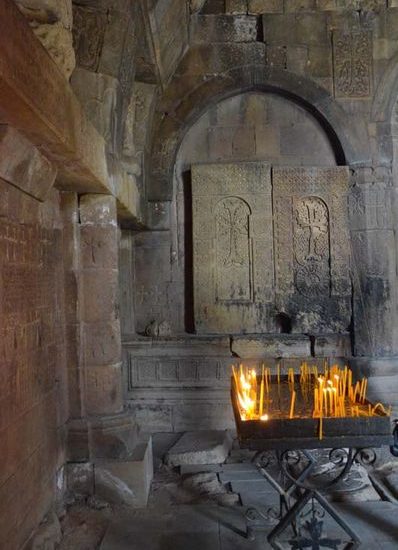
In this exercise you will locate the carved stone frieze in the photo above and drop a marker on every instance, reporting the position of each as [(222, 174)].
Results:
[(232, 246), (352, 60)]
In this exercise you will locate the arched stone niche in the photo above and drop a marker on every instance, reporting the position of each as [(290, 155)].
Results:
[(248, 127), (270, 129)]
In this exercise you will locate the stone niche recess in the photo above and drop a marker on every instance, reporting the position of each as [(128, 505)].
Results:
[(270, 249), (248, 261)]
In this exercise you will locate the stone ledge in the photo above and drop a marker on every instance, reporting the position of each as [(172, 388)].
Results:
[(22, 164), (271, 346)]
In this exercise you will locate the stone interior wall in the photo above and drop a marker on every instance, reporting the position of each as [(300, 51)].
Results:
[(338, 59), (33, 405)]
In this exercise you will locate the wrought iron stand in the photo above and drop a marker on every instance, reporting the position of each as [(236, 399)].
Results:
[(307, 515)]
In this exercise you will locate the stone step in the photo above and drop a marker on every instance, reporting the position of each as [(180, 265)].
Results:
[(201, 447), (226, 477), (186, 469), (239, 467), (251, 486)]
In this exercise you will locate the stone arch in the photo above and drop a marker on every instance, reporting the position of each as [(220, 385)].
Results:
[(173, 119)]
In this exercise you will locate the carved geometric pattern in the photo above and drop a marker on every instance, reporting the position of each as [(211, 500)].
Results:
[(352, 60), (233, 255), (232, 247), (311, 247), (324, 190)]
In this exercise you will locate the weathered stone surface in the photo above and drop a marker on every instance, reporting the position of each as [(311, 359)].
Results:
[(204, 484), (80, 479), (231, 208), (136, 473), (236, 7), (226, 28), (265, 6), (23, 165), (104, 393), (140, 110), (279, 346), (47, 11), (40, 105), (113, 489), (352, 64), (312, 255), (58, 42), (329, 345), (97, 210), (205, 447), (48, 535), (196, 5), (169, 26), (100, 97)]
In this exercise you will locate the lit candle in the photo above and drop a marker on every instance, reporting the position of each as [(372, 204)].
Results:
[(365, 387), (316, 400), (293, 398), (260, 412), (325, 399)]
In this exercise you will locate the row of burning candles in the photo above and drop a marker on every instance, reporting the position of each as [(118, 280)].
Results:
[(334, 394)]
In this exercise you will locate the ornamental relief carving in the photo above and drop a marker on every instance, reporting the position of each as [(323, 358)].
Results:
[(233, 257), (264, 245), (311, 247), (352, 61)]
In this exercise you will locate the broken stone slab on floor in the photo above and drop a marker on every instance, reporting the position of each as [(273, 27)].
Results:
[(201, 447), (186, 469), (126, 482), (238, 456)]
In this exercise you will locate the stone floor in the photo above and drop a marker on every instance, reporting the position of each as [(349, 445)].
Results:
[(202, 507)]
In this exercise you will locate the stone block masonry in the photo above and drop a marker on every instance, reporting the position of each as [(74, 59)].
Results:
[(33, 405)]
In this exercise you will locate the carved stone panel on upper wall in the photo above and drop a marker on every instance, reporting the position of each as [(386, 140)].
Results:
[(352, 64), (88, 36), (312, 247), (232, 247)]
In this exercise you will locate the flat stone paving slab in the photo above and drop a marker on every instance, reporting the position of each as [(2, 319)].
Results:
[(203, 447), (221, 528)]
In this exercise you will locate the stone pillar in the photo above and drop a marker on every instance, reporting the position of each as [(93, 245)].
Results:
[(98, 428), (374, 262), (101, 325)]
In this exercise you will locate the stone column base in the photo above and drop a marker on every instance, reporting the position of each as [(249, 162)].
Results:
[(102, 437)]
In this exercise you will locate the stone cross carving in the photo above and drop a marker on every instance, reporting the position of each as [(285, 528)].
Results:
[(232, 247), (311, 214), (233, 228), (311, 247)]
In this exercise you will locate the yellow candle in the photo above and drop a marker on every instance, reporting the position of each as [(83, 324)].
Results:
[(293, 398), (278, 370), (365, 387), (320, 427), (261, 397)]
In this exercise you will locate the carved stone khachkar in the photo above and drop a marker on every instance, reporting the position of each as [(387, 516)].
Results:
[(312, 247), (352, 60), (233, 248)]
